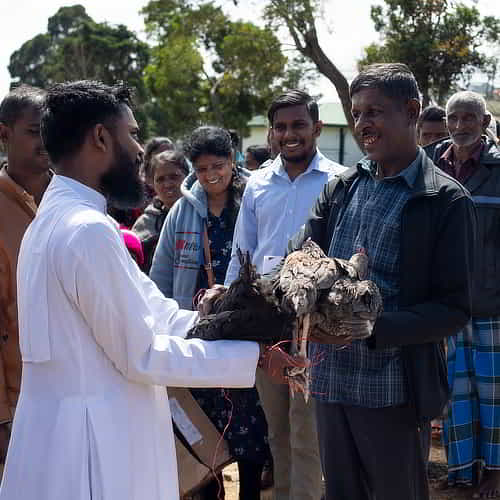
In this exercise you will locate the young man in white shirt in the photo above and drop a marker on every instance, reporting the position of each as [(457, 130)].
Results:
[(275, 204)]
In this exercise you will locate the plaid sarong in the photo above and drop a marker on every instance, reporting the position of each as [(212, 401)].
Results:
[(471, 430)]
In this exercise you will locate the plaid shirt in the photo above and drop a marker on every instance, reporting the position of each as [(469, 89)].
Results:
[(357, 375)]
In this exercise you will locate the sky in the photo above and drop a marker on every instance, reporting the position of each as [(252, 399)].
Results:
[(345, 27)]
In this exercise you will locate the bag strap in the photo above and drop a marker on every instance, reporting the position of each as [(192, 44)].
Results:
[(208, 258)]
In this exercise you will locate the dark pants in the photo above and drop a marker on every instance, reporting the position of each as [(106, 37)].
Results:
[(249, 474), (371, 454)]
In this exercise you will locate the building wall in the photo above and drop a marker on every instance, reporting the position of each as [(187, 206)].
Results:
[(328, 143)]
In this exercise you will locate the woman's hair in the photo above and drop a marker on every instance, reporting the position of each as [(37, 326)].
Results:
[(150, 149), (174, 157), (208, 140)]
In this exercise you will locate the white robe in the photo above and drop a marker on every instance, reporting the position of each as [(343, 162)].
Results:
[(99, 342)]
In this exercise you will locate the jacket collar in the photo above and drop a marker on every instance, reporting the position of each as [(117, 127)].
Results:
[(490, 154), (490, 158), (424, 182)]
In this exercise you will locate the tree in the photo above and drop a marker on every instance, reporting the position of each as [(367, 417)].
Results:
[(207, 68), (298, 16), (439, 40), (75, 47)]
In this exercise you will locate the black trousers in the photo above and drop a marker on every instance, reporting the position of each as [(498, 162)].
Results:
[(371, 454)]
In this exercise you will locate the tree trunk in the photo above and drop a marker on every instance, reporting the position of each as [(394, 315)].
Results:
[(215, 101), (313, 51)]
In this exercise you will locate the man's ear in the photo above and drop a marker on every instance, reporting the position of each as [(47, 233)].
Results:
[(318, 127), (413, 110), (101, 138), (4, 135)]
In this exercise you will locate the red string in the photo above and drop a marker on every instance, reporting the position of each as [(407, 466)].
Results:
[(219, 442)]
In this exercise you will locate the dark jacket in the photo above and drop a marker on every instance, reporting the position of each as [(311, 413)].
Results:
[(437, 235), (148, 228), (484, 187)]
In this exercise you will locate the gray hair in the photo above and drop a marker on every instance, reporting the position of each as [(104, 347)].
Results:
[(468, 98)]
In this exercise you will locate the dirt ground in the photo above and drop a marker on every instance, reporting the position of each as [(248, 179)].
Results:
[(437, 469)]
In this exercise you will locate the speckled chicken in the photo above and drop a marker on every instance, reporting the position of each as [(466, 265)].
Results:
[(307, 290)]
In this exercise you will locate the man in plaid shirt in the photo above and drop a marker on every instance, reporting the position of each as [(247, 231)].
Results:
[(416, 225)]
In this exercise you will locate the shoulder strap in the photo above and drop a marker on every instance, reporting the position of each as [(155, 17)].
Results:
[(208, 257)]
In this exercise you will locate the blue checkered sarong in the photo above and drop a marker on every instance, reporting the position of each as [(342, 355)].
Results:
[(472, 428)]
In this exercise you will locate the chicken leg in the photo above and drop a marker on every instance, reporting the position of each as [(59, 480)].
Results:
[(299, 377)]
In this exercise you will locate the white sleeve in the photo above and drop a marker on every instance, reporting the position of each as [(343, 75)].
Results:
[(137, 327)]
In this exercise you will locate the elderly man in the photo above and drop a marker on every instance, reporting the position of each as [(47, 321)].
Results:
[(472, 430)]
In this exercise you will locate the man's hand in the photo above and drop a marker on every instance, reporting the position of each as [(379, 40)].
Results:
[(321, 337), (275, 362), (205, 301)]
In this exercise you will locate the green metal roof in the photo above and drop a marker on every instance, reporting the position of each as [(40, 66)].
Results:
[(330, 113)]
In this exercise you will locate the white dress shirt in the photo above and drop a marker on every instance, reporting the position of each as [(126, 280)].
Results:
[(273, 209), (99, 342)]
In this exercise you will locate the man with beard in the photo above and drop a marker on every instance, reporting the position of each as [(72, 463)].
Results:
[(23, 179), (416, 225), (276, 202), (472, 429), (98, 340)]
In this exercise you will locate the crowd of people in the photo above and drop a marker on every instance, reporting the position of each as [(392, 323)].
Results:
[(105, 247)]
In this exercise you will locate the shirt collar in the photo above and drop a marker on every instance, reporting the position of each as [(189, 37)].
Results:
[(88, 194), (475, 156), (409, 174), (317, 163), (19, 191)]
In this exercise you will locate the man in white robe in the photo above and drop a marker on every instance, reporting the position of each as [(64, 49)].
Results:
[(98, 340)]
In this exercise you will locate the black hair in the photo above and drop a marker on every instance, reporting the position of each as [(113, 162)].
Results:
[(394, 80), (150, 149), (208, 140), (432, 114), (260, 153), (18, 100), (71, 109), (235, 138), (294, 97), (170, 156)]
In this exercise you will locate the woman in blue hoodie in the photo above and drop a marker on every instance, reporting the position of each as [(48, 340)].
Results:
[(193, 252)]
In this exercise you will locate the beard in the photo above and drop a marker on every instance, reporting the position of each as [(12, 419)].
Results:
[(121, 184), (296, 159)]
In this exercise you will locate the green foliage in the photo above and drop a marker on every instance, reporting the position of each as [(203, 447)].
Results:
[(439, 40), (211, 68), (75, 47), (199, 67)]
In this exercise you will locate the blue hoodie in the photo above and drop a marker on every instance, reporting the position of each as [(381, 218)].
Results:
[(179, 254)]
